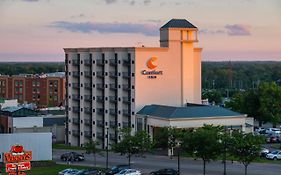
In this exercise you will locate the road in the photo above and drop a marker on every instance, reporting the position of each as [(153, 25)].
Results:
[(188, 165)]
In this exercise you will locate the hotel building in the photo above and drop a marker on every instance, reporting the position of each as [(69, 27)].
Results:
[(43, 90), (107, 86)]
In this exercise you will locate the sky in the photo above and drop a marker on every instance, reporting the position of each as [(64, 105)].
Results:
[(38, 30)]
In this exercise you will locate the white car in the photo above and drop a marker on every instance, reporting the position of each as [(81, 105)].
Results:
[(129, 172), (274, 155), (67, 171), (273, 131)]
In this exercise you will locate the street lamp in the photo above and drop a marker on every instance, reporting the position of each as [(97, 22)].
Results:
[(107, 148), (178, 151), (225, 150)]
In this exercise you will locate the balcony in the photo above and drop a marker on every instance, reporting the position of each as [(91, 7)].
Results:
[(112, 137), (88, 98), (88, 85), (127, 62), (75, 62), (88, 122), (100, 111), (100, 99), (75, 121), (88, 74), (125, 124), (88, 134), (99, 135), (126, 99), (113, 74), (112, 124), (100, 123), (126, 113), (76, 97), (88, 110), (113, 86), (75, 85), (75, 74), (100, 86), (126, 87), (112, 62), (75, 133), (88, 62), (113, 111), (100, 62), (100, 74), (75, 109), (126, 74), (113, 99)]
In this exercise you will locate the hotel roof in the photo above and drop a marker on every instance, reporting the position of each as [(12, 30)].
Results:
[(191, 111), (178, 23)]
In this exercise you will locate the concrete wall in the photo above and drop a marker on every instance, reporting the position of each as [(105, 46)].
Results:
[(39, 143)]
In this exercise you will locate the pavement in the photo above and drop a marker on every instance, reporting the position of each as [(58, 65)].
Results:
[(188, 166)]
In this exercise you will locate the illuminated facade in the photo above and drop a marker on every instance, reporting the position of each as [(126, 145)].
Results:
[(107, 86)]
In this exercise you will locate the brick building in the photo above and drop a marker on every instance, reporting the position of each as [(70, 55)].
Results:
[(44, 90)]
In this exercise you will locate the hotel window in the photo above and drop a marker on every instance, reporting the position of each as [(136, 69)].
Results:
[(38, 83), (16, 83), (21, 83), (20, 89), (33, 83)]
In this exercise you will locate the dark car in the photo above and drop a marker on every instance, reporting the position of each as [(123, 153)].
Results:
[(166, 171), (72, 156), (117, 169)]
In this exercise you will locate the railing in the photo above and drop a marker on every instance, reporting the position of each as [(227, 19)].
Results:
[(88, 134), (88, 62), (112, 124), (112, 111), (88, 98), (113, 99), (100, 110), (76, 97), (88, 73), (75, 133), (100, 74), (113, 62), (88, 110), (126, 113), (127, 62), (75, 85), (100, 62), (88, 85), (75, 62), (75, 74), (100, 98), (75, 121), (88, 122), (75, 109), (99, 135), (126, 87), (126, 74), (125, 124), (100, 123), (113, 86), (127, 99), (112, 137), (113, 74), (100, 86)]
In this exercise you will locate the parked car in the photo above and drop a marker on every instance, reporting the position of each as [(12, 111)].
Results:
[(273, 131), (274, 155), (88, 172), (272, 139), (67, 171), (264, 152), (117, 169), (166, 171), (72, 156), (129, 172)]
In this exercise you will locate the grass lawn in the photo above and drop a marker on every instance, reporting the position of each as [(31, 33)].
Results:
[(52, 170)]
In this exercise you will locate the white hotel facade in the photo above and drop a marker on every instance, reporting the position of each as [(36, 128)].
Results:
[(106, 87)]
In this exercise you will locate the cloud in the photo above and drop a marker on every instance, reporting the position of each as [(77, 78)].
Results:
[(110, 1), (147, 2), (81, 15), (238, 30), (30, 0), (89, 27), (212, 32), (133, 2)]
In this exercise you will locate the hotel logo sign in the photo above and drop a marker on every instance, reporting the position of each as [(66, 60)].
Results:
[(17, 160), (152, 65)]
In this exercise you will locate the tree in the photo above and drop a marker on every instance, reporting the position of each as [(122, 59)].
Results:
[(204, 143), (132, 145), (212, 96), (91, 148), (245, 147)]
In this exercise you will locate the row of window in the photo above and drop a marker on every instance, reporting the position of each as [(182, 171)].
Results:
[(102, 73), (105, 86), (94, 110), (106, 98)]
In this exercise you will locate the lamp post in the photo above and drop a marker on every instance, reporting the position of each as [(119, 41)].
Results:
[(107, 147), (224, 157), (178, 151)]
